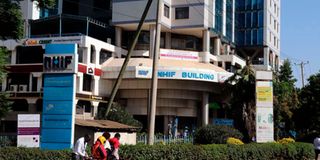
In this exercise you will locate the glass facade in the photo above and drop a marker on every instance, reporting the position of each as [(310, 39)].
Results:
[(229, 19), (219, 15), (249, 22)]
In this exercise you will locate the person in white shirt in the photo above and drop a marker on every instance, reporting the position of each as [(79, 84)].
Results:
[(79, 149), (316, 144)]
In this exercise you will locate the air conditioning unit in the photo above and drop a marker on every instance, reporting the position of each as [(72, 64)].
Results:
[(23, 88), (13, 88)]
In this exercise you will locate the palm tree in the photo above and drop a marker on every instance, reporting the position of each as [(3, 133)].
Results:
[(242, 100)]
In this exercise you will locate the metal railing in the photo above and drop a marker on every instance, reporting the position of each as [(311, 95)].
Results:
[(163, 139)]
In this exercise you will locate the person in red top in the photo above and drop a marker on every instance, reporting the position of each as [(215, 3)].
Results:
[(115, 145), (98, 151)]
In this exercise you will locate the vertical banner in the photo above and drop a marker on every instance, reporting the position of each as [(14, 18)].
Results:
[(28, 130), (60, 66), (264, 107), (264, 124)]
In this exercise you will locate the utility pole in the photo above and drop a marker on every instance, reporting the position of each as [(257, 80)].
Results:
[(154, 83), (126, 61), (302, 64)]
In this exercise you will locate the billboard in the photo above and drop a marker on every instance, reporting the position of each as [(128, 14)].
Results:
[(28, 130)]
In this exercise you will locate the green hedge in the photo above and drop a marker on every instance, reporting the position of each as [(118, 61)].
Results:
[(292, 151), (14, 153)]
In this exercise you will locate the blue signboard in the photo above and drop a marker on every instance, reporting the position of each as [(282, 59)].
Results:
[(223, 122), (58, 97)]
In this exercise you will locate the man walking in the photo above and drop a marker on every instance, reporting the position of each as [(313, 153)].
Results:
[(316, 144), (115, 145), (79, 149)]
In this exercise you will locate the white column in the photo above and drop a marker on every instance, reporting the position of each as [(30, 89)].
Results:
[(118, 36), (30, 82), (168, 40), (96, 85), (224, 17), (95, 109), (152, 30), (14, 56), (60, 4), (39, 83), (266, 56), (205, 108), (205, 46), (80, 82)]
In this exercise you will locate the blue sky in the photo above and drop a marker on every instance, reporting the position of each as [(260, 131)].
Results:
[(300, 35)]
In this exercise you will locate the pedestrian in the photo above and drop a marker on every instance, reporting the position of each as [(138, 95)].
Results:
[(79, 149), (98, 151), (316, 144), (115, 145)]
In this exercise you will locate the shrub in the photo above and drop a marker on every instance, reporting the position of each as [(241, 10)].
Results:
[(286, 140), (234, 141), (215, 134), (267, 151)]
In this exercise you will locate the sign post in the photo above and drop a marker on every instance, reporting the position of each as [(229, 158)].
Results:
[(28, 130), (264, 107), (60, 66)]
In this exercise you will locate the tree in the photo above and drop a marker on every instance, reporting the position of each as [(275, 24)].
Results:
[(285, 99), (307, 117), (243, 100), (119, 114), (11, 28)]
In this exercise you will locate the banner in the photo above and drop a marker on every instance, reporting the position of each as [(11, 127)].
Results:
[(264, 124), (264, 94), (28, 130)]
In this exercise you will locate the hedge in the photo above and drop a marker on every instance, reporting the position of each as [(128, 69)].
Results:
[(293, 151)]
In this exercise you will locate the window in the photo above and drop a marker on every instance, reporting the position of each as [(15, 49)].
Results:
[(275, 41), (104, 55), (275, 25), (166, 11), (182, 13), (20, 105), (248, 20), (92, 54), (87, 82), (29, 54)]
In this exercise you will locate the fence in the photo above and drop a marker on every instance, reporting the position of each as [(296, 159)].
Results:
[(165, 139), (8, 140)]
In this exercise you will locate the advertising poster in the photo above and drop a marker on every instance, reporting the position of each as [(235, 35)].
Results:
[(28, 130), (264, 94), (264, 124)]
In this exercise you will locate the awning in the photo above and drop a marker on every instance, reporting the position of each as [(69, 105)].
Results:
[(106, 125), (167, 69)]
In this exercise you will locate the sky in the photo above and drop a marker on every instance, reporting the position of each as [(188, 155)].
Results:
[(300, 36)]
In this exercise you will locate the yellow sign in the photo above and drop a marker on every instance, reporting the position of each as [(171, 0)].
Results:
[(264, 94)]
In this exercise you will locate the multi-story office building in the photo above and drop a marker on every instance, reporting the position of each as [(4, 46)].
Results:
[(202, 43)]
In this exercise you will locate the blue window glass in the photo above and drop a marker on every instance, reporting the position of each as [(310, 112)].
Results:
[(248, 37), (254, 4), (254, 19), (254, 37), (260, 19), (260, 36), (248, 4), (248, 20), (260, 4)]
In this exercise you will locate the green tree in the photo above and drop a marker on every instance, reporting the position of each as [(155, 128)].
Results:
[(243, 100), (119, 114), (307, 117), (11, 28), (285, 99)]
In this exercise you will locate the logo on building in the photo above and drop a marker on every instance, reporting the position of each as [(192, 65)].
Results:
[(58, 63)]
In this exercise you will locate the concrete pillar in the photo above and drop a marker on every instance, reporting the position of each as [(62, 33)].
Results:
[(96, 85), (39, 83), (80, 82), (152, 30), (168, 40), (266, 56), (216, 49), (118, 36), (60, 4), (94, 110), (205, 108), (30, 82), (206, 40)]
